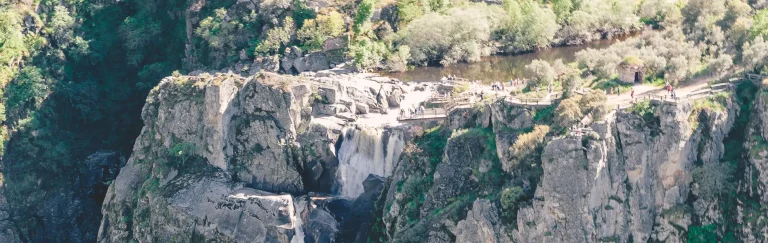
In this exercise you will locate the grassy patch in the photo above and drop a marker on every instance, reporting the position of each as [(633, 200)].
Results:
[(607, 84)]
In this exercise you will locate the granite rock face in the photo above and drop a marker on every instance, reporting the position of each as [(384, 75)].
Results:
[(227, 158), (631, 177)]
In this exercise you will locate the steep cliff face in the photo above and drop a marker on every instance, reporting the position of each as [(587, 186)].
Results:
[(659, 173), (227, 158)]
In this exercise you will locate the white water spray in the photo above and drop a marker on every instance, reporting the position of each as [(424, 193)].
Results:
[(366, 151)]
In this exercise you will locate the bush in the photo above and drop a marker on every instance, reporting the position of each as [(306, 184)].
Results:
[(593, 103), (276, 38), (314, 32), (180, 153), (714, 179), (528, 142), (568, 113), (510, 197)]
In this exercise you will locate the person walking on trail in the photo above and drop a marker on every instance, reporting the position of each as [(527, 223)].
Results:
[(610, 91), (669, 89), (632, 93)]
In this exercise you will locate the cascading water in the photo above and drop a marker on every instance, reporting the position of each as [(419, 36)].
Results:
[(363, 152)]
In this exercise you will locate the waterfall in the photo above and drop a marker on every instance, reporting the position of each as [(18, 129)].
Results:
[(363, 152)]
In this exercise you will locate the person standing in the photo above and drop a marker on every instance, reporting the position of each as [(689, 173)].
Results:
[(632, 93)]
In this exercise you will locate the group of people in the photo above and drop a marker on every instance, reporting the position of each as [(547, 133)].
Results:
[(671, 91), (449, 77), (412, 111), (497, 86), (517, 81)]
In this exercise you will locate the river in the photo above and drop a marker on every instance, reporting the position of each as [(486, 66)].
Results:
[(499, 67)]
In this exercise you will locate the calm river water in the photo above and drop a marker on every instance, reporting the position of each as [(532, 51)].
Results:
[(500, 67)]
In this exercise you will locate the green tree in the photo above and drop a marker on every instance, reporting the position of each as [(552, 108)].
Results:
[(760, 26), (571, 83), (137, 33), (397, 61), (543, 74), (407, 11), (12, 46), (363, 15), (29, 87), (755, 54), (368, 53), (276, 38), (562, 9), (61, 25)]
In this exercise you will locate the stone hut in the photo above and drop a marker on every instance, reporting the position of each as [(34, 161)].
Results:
[(631, 70)]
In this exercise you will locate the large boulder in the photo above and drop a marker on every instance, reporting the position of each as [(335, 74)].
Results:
[(315, 61)]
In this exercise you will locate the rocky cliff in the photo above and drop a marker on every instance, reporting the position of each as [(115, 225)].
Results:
[(227, 158), (273, 158), (659, 172)]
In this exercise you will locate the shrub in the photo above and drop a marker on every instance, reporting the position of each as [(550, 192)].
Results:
[(276, 38), (510, 199), (642, 108), (721, 64), (568, 112), (314, 32), (593, 103), (528, 142), (714, 179), (180, 153)]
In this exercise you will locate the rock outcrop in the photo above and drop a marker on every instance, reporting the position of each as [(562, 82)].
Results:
[(241, 159), (632, 177)]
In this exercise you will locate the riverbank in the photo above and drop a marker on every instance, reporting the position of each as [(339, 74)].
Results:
[(504, 66)]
